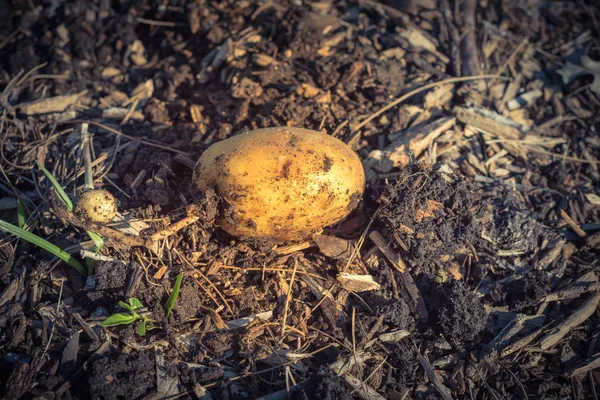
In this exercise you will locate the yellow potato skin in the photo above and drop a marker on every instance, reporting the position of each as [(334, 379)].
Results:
[(97, 205), (281, 183)]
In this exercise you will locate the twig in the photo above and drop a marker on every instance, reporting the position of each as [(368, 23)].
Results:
[(518, 382), (271, 269), (408, 95), (372, 331), (308, 355), (385, 249), (156, 23), (147, 142), (288, 299), (354, 335), (370, 375), (509, 60), (360, 242), (407, 280), (99, 257), (62, 282), (470, 51), (444, 391), (87, 158), (193, 215), (576, 228)]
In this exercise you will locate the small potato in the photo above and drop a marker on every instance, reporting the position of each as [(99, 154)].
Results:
[(281, 183), (97, 205)]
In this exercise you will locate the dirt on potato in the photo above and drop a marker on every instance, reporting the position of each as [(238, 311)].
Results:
[(468, 269)]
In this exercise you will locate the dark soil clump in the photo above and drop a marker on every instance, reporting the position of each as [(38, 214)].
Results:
[(436, 215), (461, 316), (123, 377), (468, 270)]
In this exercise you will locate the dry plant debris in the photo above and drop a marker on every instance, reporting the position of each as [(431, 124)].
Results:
[(468, 270)]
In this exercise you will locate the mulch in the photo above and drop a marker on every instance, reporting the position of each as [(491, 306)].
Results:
[(469, 269)]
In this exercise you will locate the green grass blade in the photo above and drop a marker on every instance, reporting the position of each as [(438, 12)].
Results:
[(97, 239), (21, 219), (59, 190), (89, 265), (174, 294), (98, 243), (44, 244)]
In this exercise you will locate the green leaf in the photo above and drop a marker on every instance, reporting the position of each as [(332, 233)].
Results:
[(127, 307), (174, 294), (42, 243), (21, 219), (142, 328), (135, 303), (119, 319), (59, 190)]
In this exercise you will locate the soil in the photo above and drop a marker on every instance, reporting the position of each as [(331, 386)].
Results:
[(478, 243)]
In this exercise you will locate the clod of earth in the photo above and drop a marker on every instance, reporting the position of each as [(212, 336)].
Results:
[(97, 205), (281, 183)]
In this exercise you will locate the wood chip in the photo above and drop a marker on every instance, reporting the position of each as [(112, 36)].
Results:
[(524, 99), (9, 292), (51, 104), (396, 53), (166, 384), (357, 283), (440, 96), (110, 72), (584, 284), (307, 90), (292, 248), (120, 113), (418, 39), (86, 327), (333, 247), (405, 147), (68, 362), (593, 199), (488, 121), (86, 365), (576, 318), (394, 336), (343, 367), (441, 388), (593, 241), (590, 364), (384, 247)]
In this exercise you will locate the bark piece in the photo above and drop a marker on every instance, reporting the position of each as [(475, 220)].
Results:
[(51, 104)]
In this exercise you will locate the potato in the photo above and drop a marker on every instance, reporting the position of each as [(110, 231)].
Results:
[(281, 183), (97, 205)]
